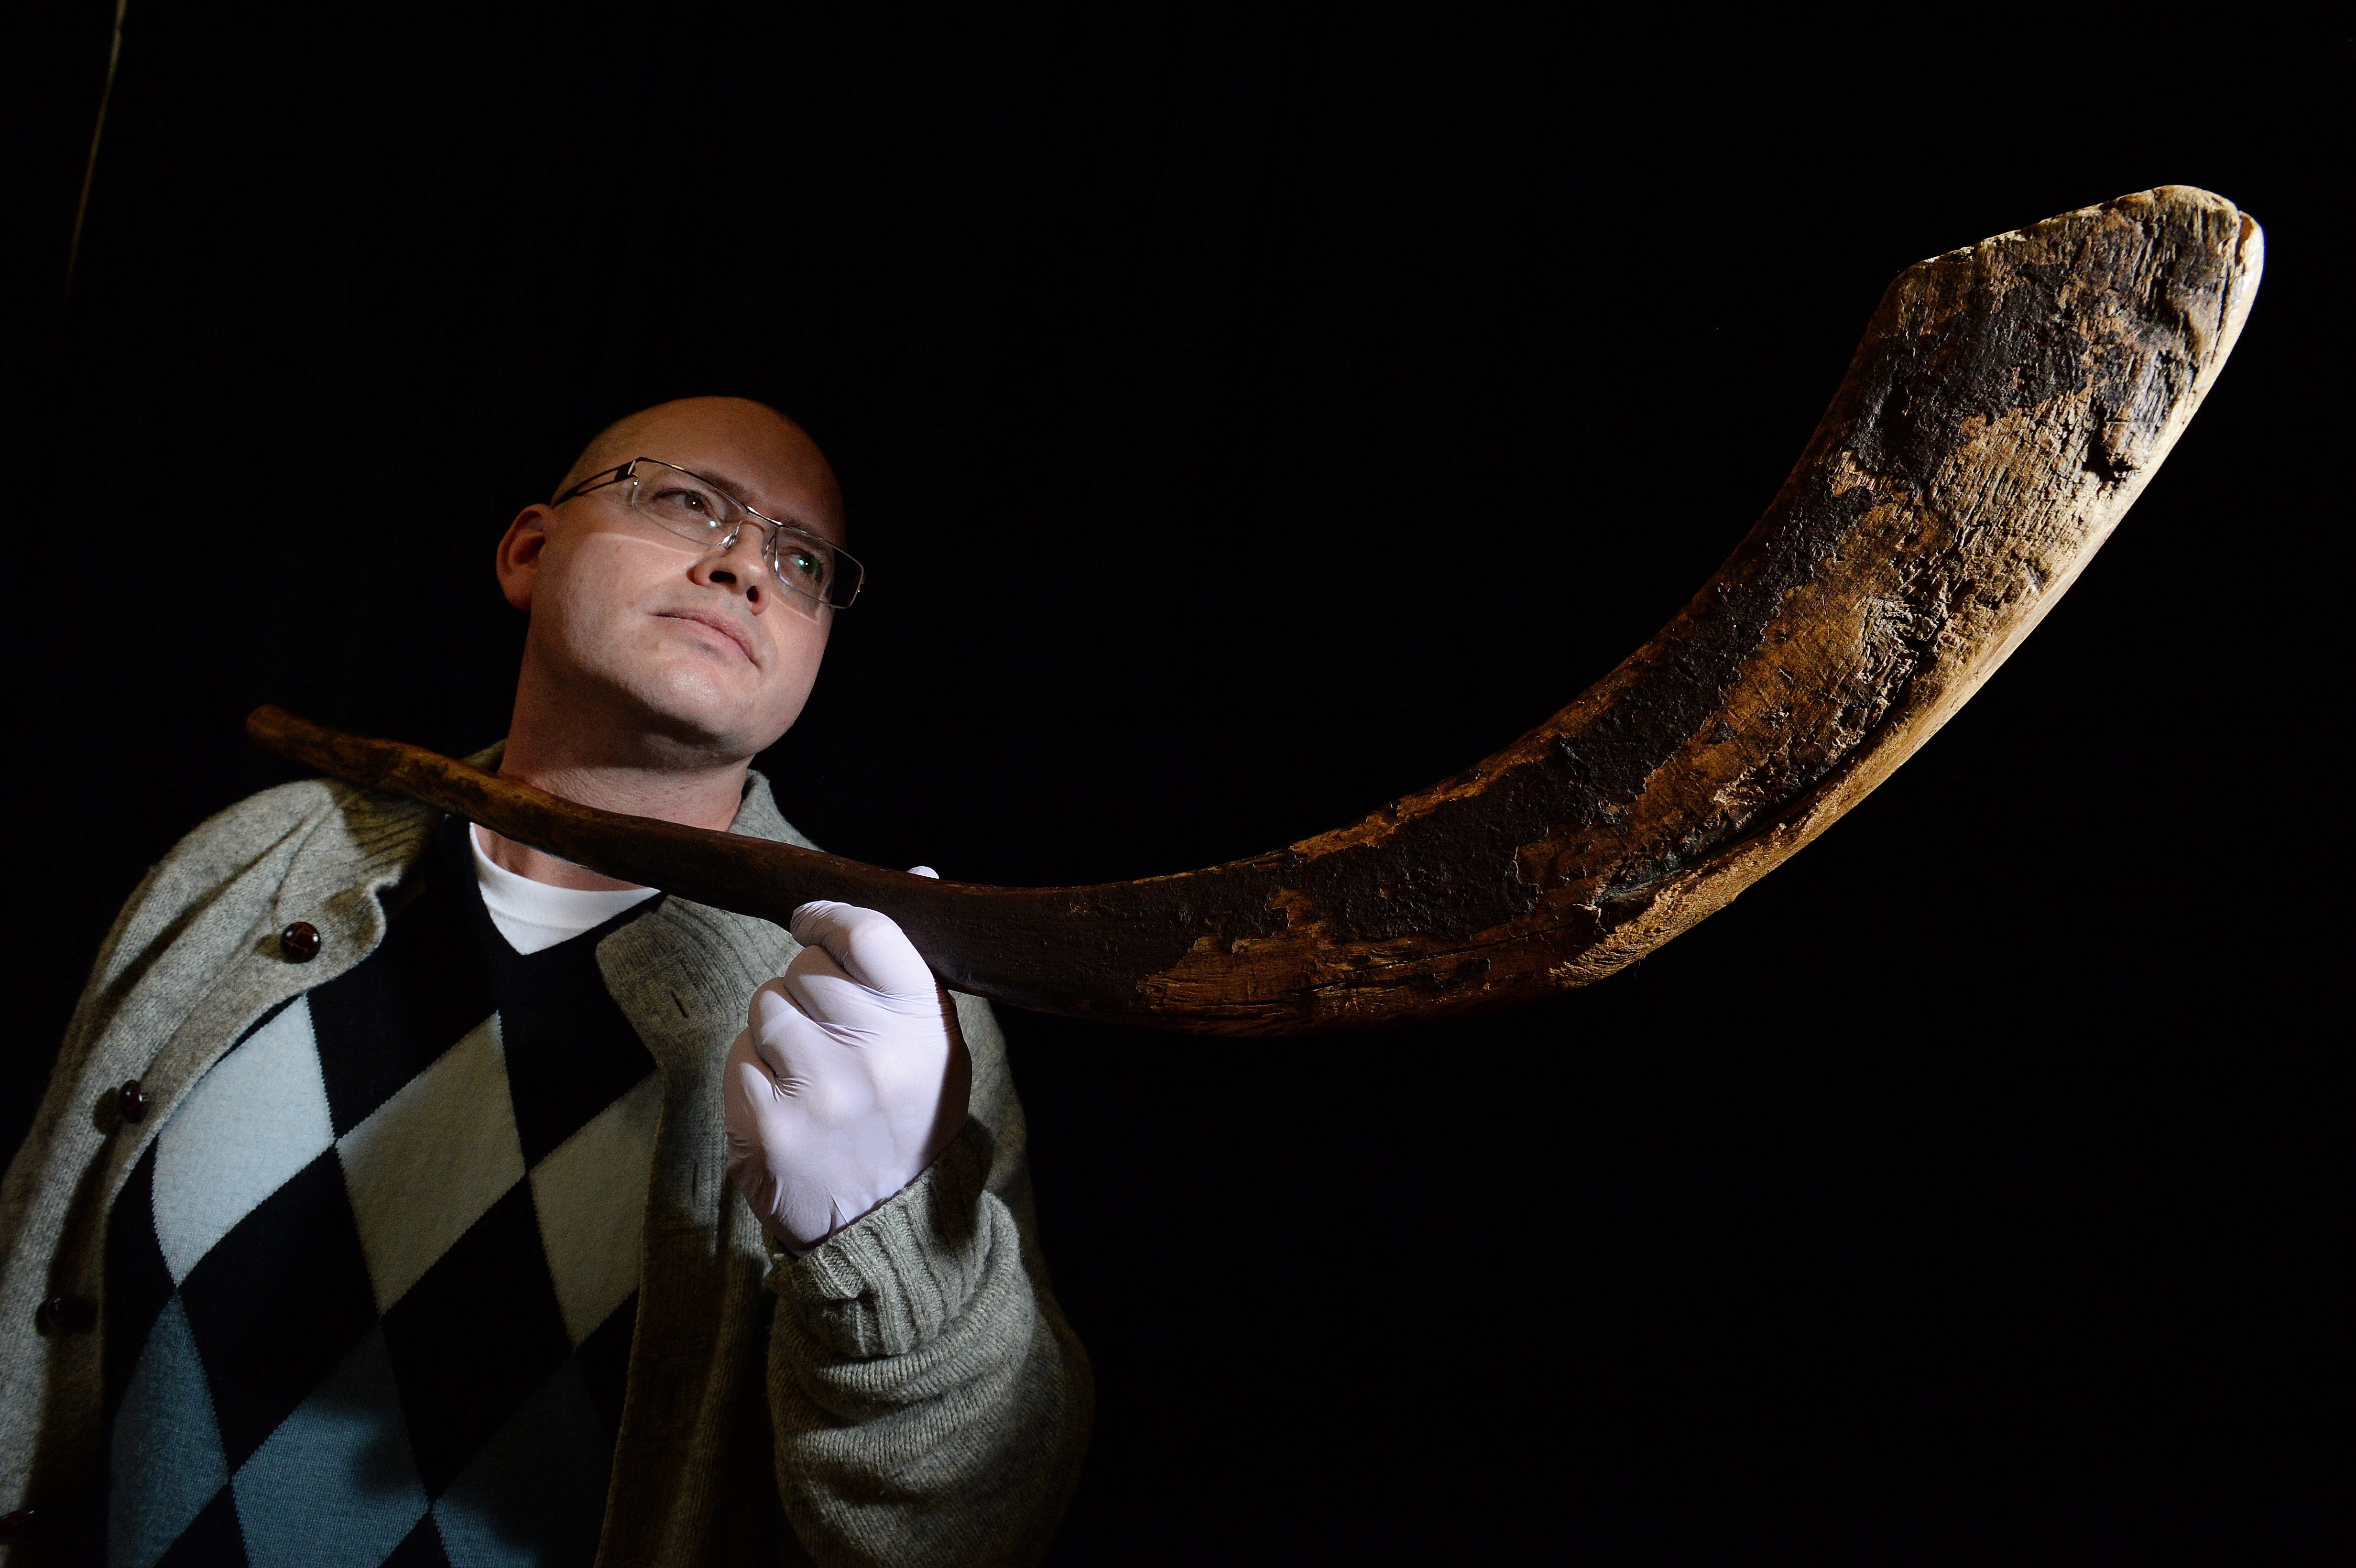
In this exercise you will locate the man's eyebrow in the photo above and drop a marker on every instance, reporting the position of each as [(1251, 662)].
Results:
[(729, 488), (721, 482), (735, 492)]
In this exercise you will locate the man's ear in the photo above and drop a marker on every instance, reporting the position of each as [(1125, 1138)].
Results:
[(521, 549)]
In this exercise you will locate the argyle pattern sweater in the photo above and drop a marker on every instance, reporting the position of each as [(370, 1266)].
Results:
[(371, 1291), (907, 1393)]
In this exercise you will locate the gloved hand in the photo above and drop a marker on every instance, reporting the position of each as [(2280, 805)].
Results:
[(850, 1080)]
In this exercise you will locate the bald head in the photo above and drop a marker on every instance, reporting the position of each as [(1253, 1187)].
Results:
[(650, 651), (763, 442)]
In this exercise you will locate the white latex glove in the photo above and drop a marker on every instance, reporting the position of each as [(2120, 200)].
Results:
[(850, 1080)]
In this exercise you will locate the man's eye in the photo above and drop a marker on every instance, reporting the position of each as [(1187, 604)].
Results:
[(808, 564), (687, 500)]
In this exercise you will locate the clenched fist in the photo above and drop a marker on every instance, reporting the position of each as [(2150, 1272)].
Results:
[(849, 1080)]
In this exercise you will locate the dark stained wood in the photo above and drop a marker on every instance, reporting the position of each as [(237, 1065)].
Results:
[(2006, 407)]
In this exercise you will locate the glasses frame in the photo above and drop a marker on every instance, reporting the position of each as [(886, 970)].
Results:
[(772, 529)]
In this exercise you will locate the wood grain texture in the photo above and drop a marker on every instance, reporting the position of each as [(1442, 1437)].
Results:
[(2006, 407)]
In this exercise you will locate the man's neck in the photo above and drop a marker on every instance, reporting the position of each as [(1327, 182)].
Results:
[(697, 798)]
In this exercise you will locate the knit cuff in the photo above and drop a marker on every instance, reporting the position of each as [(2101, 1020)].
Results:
[(893, 1278)]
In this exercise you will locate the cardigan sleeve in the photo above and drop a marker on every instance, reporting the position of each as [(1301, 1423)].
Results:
[(929, 1402)]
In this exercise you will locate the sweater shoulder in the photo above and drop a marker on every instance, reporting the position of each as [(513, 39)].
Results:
[(322, 815), (236, 832), (224, 876)]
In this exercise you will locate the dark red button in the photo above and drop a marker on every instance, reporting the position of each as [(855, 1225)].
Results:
[(131, 1101), (21, 1525), (66, 1314), (301, 941)]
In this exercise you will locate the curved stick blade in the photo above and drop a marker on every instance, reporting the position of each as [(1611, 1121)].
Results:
[(2005, 409)]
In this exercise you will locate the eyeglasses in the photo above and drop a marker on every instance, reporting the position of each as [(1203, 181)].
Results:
[(701, 512)]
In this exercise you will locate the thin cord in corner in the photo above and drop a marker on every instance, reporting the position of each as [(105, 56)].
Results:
[(90, 169)]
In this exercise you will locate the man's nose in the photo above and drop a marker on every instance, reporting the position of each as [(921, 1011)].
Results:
[(740, 569)]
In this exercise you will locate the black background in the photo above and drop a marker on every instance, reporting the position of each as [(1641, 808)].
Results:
[(1248, 416)]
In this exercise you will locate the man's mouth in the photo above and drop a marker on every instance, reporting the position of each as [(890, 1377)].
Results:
[(740, 638)]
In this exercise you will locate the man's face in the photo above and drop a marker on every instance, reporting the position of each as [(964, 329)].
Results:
[(679, 654)]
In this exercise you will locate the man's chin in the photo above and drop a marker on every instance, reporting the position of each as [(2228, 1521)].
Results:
[(673, 738), (673, 714), (701, 729)]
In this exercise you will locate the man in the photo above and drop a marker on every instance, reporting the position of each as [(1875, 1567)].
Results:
[(398, 1233)]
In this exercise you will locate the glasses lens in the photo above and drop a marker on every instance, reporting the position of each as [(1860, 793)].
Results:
[(813, 568), (803, 565), (679, 503)]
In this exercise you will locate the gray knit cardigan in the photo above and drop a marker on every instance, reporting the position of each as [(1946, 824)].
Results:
[(925, 1400)]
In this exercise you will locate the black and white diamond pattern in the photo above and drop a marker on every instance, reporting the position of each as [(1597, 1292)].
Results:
[(371, 1291)]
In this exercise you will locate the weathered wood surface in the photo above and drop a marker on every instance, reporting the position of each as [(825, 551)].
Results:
[(2006, 405)]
